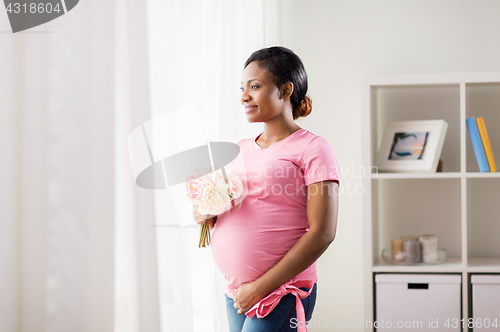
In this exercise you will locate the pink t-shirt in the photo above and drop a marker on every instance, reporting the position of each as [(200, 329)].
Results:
[(253, 236)]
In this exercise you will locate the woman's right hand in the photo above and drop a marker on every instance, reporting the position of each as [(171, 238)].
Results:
[(203, 219)]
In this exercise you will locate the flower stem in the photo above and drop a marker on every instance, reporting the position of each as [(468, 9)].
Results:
[(204, 236)]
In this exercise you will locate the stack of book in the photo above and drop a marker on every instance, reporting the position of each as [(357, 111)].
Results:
[(481, 144)]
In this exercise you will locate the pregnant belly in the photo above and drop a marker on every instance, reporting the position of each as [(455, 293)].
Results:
[(243, 252)]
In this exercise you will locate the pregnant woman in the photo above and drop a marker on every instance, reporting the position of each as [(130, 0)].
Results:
[(267, 245)]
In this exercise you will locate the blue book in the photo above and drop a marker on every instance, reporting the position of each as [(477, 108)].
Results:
[(477, 144)]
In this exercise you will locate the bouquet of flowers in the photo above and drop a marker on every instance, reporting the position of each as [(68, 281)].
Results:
[(211, 193)]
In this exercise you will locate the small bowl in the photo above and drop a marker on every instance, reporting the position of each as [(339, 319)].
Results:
[(387, 256)]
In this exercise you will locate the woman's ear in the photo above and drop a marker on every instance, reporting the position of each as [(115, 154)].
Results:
[(286, 90)]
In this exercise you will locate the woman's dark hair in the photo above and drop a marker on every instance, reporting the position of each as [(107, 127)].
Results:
[(286, 67)]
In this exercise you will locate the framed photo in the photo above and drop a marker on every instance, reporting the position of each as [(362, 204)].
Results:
[(412, 146)]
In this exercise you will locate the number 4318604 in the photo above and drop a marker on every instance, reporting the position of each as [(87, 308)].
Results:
[(32, 8), (471, 322)]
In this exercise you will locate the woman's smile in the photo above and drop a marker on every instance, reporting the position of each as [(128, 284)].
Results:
[(250, 108)]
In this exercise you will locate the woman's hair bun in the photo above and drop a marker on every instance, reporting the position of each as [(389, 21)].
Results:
[(303, 109)]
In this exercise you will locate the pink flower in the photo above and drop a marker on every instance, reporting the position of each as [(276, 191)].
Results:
[(235, 184), (212, 202), (211, 192), (194, 189), (220, 184)]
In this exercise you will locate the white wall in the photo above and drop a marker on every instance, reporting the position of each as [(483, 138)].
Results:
[(340, 41)]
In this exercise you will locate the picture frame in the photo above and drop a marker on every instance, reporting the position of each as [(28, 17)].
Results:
[(412, 146)]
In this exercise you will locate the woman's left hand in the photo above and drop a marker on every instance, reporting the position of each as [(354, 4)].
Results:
[(245, 297)]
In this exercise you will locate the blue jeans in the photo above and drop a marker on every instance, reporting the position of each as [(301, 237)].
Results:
[(278, 320)]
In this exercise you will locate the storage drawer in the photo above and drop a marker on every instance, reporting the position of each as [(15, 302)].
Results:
[(418, 302), (486, 302)]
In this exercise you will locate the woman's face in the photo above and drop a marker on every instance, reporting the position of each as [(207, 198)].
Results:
[(260, 96)]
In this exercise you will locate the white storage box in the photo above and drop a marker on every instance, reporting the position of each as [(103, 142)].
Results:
[(418, 302), (486, 302)]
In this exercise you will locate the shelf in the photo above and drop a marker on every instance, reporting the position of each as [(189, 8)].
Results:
[(483, 222), (483, 175), (485, 264), (459, 205), (410, 103), (416, 207), (445, 175), (451, 264), (431, 79), (483, 100)]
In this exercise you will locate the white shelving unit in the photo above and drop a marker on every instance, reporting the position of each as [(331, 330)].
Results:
[(461, 206)]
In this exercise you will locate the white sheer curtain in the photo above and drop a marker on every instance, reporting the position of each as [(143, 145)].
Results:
[(136, 274), (197, 51), (57, 167), (82, 247), (77, 252)]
